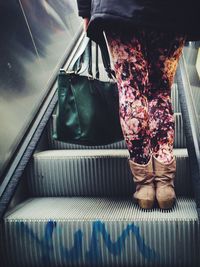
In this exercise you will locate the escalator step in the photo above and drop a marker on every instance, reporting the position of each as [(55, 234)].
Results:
[(92, 173), (99, 232)]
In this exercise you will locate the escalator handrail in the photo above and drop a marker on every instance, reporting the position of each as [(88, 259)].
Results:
[(191, 127)]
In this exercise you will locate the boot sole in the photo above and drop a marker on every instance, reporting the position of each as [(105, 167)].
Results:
[(145, 204), (168, 204)]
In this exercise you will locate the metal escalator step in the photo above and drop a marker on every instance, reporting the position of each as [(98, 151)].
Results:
[(92, 173), (179, 141), (62, 232)]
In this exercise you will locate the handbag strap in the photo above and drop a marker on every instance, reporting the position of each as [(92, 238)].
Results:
[(91, 60), (106, 58), (76, 61), (85, 61), (82, 62), (97, 61)]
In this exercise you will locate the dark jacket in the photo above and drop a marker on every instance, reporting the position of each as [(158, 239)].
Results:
[(179, 16)]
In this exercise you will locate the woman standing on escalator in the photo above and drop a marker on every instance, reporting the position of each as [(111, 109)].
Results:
[(145, 39)]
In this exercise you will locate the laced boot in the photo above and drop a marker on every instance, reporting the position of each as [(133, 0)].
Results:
[(143, 177), (164, 180)]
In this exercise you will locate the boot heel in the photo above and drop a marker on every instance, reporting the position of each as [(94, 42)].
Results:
[(164, 180), (167, 204), (145, 204)]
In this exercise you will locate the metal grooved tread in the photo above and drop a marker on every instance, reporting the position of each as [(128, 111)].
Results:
[(62, 232), (92, 173)]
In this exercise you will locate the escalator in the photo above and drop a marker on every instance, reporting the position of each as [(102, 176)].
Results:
[(73, 207)]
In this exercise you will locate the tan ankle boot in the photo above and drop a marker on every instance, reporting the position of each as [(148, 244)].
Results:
[(143, 177), (164, 180)]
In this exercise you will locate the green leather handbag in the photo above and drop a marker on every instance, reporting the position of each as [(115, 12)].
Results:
[(88, 109)]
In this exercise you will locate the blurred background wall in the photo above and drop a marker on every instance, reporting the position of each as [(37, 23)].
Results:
[(34, 38)]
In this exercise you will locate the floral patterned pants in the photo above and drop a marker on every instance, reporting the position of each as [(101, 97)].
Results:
[(145, 63)]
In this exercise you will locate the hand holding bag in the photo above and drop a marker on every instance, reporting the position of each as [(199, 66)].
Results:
[(88, 109)]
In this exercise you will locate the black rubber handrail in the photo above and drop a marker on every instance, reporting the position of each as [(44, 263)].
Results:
[(191, 127)]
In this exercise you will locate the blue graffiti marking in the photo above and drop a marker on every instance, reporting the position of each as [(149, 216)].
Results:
[(116, 248), (46, 243), (75, 253), (94, 253)]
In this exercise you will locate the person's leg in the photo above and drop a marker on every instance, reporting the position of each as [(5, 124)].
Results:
[(164, 51), (132, 80), (132, 77)]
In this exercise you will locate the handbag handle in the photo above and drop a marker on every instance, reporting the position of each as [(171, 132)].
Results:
[(76, 62), (96, 61), (82, 62), (106, 58)]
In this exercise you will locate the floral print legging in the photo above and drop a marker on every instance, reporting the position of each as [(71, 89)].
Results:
[(145, 63)]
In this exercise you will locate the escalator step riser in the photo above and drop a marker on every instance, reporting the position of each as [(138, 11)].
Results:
[(92, 173)]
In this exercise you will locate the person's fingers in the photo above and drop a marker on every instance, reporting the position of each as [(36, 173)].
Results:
[(85, 23)]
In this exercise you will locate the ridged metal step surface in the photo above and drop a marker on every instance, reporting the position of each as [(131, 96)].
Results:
[(93, 173), (179, 142), (58, 232)]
